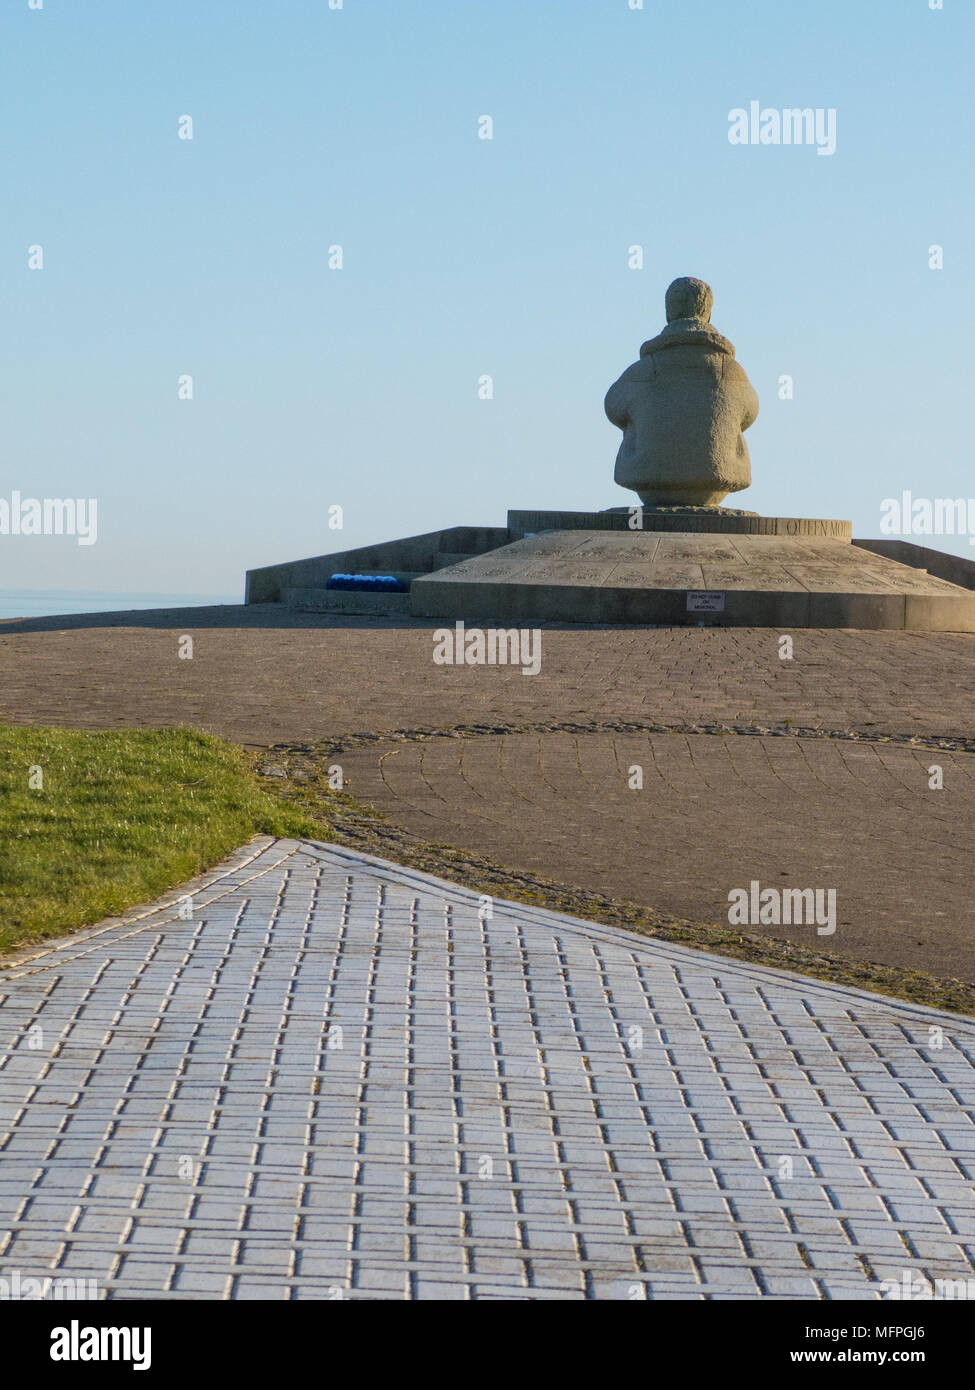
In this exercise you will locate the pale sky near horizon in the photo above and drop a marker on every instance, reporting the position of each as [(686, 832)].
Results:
[(462, 257)]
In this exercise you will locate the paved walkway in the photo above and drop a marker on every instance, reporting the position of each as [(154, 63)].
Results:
[(531, 772), (264, 674), (341, 1078), (713, 813)]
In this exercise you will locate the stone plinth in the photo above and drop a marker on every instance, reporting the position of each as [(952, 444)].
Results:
[(680, 558), (523, 523), (741, 578)]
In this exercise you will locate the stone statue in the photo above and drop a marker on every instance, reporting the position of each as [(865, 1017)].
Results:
[(682, 409)]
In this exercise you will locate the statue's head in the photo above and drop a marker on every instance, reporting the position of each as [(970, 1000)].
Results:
[(688, 298)]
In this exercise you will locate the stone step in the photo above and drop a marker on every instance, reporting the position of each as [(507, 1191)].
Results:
[(353, 601)]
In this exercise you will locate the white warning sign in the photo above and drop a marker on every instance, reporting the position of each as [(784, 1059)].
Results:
[(705, 602)]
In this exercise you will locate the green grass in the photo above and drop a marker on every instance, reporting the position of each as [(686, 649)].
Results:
[(121, 817)]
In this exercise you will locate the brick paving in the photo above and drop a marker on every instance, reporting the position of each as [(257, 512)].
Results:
[(344, 1079), (263, 675), (713, 813), (717, 810)]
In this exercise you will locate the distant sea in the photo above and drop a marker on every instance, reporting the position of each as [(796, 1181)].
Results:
[(46, 603)]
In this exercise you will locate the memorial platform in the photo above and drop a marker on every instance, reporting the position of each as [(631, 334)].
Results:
[(680, 558), (737, 570), (681, 568)]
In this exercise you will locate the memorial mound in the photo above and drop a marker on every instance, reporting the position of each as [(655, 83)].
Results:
[(677, 557)]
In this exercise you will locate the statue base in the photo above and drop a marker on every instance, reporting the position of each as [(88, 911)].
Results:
[(665, 567), (687, 567), (692, 519)]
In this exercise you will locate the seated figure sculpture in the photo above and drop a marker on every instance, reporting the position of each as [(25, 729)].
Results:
[(682, 409)]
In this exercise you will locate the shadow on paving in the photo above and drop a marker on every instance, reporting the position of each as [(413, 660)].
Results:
[(271, 615)]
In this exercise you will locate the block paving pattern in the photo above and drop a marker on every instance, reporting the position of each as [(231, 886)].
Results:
[(343, 1079), (713, 813), (264, 674)]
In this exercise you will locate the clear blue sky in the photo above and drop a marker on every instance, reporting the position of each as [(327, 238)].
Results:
[(461, 257)]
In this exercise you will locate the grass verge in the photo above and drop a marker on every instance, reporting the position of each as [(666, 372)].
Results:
[(120, 817), (94, 823)]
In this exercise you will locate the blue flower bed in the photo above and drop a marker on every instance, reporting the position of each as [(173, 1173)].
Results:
[(371, 583)]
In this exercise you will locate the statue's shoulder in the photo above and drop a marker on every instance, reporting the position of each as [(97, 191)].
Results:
[(732, 370), (698, 335), (636, 371)]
